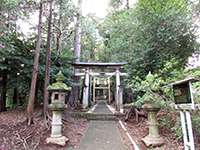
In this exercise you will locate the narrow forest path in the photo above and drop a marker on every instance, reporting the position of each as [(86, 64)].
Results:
[(102, 135)]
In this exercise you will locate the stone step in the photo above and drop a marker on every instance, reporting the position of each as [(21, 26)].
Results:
[(96, 116), (103, 117)]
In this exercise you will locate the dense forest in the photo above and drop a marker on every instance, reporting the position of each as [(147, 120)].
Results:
[(155, 37)]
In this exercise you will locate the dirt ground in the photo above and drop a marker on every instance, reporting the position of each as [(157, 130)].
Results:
[(16, 135), (138, 130), (127, 143)]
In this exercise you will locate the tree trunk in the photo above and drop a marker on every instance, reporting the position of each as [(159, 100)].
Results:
[(59, 29), (48, 60), (59, 35), (31, 100), (4, 91), (1, 92), (37, 101), (15, 96), (127, 4), (58, 42), (74, 97), (77, 40)]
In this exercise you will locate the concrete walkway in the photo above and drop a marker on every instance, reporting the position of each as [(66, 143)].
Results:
[(102, 135), (102, 108)]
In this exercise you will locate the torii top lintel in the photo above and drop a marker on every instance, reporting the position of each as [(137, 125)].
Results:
[(113, 65)]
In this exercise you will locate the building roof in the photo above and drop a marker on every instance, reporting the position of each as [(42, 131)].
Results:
[(189, 79)]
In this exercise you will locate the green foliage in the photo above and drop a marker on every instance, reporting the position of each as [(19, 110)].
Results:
[(16, 57), (170, 71), (59, 85), (8, 3), (196, 122), (177, 128), (152, 91), (149, 35), (17, 51), (63, 24), (90, 39), (166, 121), (116, 3)]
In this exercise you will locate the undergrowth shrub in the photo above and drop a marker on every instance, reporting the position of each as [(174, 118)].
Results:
[(177, 128)]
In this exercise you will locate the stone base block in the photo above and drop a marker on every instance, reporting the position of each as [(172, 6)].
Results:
[(57, 140), (153, 141)]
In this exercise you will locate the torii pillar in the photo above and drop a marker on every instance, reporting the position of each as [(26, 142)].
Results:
[(109, 92), (86, 89), (118, 98)]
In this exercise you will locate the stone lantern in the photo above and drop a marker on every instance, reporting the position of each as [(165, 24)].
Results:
[(153, 138), (58, 91)]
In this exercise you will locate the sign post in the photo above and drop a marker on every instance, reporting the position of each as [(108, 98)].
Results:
[(184, 102)]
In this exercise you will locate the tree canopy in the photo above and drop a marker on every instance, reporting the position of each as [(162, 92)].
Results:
[(149, 35)]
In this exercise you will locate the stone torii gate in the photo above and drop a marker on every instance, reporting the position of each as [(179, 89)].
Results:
[(88, 68)]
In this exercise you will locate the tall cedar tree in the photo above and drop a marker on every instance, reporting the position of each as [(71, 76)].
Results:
[(74, 97), (48, 60), (31, 100), (59, 30), (3, 89), (127, 4)]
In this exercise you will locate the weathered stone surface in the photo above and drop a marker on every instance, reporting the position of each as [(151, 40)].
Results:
[(57, 140), (57, 106), (153, 138), (153, 141)]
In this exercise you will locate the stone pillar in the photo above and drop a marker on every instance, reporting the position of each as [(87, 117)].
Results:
[(121, 99), (86, 89), (153, 138), (56, 125), (109, 93), (117, 90), (94, 85)]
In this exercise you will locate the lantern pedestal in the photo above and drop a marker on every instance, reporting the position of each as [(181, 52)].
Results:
[(57, 140), (56, 129), (153, 138)]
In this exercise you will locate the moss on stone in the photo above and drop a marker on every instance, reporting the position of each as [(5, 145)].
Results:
[(57, 106), (59, 85)]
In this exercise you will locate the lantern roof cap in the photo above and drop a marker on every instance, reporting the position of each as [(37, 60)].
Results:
[(59, 85), (188, 79)]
